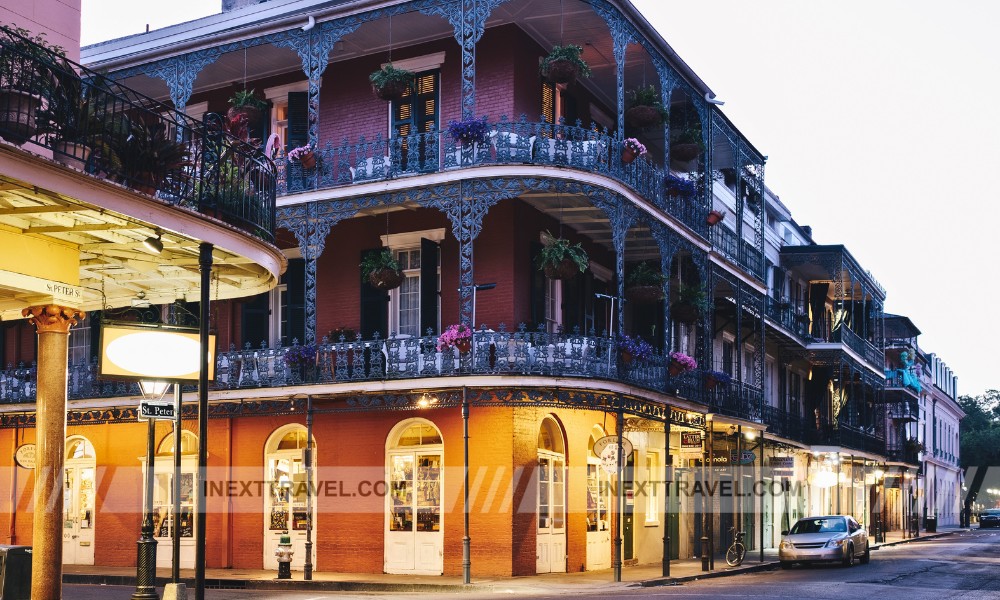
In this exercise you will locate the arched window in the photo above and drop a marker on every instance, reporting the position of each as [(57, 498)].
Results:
[(551, 535), (286, 502), (414, 457)]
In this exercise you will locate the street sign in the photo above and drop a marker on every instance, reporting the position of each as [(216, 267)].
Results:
[(149, 409)]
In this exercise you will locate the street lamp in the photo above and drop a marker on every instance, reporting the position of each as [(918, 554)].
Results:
[(481, 287), (145, 565)]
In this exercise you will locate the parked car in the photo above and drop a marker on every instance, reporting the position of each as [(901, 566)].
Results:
[(836, 538), (989, 518)]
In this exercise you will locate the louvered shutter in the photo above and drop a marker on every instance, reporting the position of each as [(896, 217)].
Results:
[(254, 320), (429, 259), (374, 307), (295, 286), (416, 112), (298, 119)]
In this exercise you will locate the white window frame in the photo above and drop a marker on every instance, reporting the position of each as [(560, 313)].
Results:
[(397, 242), (278, 96), (553, 305), (652, 464)]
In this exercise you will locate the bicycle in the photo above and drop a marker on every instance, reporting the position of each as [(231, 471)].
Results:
[(736, 550)]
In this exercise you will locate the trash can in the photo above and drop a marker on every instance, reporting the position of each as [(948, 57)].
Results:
[(15, 572), (930, 524)]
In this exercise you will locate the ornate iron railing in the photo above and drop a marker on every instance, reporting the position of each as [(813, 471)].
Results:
[(740, 251), (784, 313), (502, 352), (784, 424), (114, 133), (821, 432), (903, 453), (905, 410), (507, 142)]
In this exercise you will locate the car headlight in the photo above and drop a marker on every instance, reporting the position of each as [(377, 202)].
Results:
[(835, 542), (786, 545)]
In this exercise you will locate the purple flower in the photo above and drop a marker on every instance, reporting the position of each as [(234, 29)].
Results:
[(686, 362)]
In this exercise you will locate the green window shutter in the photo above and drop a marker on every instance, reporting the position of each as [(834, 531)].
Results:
[(298, 119), (295, 282), (254, 319), (429, 259), (417, 112), (537, 297), (374, 307), (548, 108)]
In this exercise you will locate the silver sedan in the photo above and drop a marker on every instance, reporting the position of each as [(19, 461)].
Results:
[(836, 538)]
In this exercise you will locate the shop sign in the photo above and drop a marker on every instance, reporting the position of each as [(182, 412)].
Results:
[(607, 449), (691, 439), (783, 466), (683, 417), (746, 457), (24, 456)]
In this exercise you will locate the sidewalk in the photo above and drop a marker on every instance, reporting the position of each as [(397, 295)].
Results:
[(639, 575)]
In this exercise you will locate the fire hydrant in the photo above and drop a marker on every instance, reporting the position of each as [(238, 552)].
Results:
[(284, 554)]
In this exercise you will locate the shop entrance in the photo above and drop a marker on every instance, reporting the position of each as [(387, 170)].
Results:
[(78, 502), (285, 502), (414, 537), (551, 534)]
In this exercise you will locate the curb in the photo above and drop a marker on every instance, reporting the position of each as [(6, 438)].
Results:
[(920, 538), (767, 566), (281, 584)]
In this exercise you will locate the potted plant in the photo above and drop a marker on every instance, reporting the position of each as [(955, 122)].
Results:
[(692, 300), (679, 186), (381, 269), (681, 363), (74, 121), (304, 155), (27, 65), (645, 108), (390, 83), (458, 336), (150, 155), (644, 284), (686, 144), (716, 378), (715, 217), (301, 360), (632, 149), (634, 349), (564, 64), (245, 102), (560, 259), (469, 130)]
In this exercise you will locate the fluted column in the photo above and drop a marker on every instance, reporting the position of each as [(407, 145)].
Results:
[(52, 324)]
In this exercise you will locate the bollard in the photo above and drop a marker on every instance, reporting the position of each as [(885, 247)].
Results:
[(284, 554)]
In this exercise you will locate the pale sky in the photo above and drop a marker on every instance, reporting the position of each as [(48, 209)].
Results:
[(874, 116)]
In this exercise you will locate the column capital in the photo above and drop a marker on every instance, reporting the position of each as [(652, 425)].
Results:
[(52, 318)]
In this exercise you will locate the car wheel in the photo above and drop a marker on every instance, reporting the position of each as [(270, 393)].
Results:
[(849, 556), (786, 564), (867, 556)]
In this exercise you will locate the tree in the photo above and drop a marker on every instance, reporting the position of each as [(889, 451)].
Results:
[(980, 429)]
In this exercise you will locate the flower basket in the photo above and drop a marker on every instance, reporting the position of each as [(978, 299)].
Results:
[(564, 269), (644, 294), (464, 345), (458, 336), (675, 368), (391, 91), (685, 313), (680, 363), (562, 71), (628, 155), (385, 279), (715, 217), (631, 149), (684, 152), (250, 113), (634, 350), (714, 379), (308, 160), (643, 116)]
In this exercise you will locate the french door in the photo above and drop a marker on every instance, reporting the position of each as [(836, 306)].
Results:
[(551, 536), (414, 531)]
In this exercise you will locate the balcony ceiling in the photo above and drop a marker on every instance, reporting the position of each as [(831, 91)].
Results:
[(115, 269)]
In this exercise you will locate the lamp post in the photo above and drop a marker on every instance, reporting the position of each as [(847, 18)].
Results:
[(307, 569), (145, 564), (466, 539), (175, 570)]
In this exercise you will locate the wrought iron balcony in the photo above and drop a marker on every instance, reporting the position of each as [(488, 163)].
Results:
[(113, 133), (821, 432), (788, 425), (787, 316), (500, 352), (905, 453), (904, 410), (507, 143), (728, 243)]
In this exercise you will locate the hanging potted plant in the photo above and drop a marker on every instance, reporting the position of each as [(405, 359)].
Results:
[(151, 157), (680, 363), (245, 103), (634, 350), (632, 149), (686, 144), (716, 378), (692, 300), (390, 83), (644, 284), (560, 259), (645, 108), (381, 269), (304, 155), (715, 217), (27, 65), (564, 64)]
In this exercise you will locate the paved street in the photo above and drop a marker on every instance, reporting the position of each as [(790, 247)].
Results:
[(962, 565)]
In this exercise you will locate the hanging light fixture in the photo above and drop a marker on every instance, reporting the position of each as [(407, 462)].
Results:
[(154, 243)]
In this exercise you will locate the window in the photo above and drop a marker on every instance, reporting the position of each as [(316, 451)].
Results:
[(417, 253), (728, 353), (79, 343), (406, 300), (290, 113), (553, 305), (416, 113), (652, 476)]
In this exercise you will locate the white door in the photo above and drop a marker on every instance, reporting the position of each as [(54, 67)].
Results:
[(551, 536), (286, 508), (163, 513), (414, 532), (78, 513), (598, 520)]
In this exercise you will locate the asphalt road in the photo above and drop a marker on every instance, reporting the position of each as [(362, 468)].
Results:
[(962, 565)]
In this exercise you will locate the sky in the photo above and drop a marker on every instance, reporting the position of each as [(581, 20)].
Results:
[(875, 118)]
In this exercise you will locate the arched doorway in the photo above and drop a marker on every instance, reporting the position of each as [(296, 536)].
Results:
[(285, 502), (164, 519), (551, 536), (78, 502), (414, 531), (598, 508)]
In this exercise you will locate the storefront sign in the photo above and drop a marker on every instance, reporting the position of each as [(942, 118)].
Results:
[(25, 456), (607, 449), (743, 458), (691, 439), (150, 409), (783, 466), (683, 417)]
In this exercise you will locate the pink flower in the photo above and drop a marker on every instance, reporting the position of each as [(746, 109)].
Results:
[(452, 335)]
